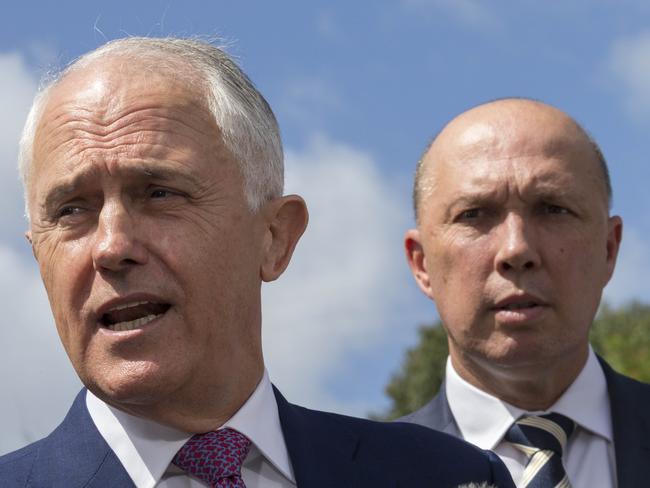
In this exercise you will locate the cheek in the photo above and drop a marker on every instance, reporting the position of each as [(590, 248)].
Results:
[(65, 271), (458, 278), (459, 265)]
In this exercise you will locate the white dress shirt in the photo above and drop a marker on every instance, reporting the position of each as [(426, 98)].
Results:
[(146, 448), (589, 458)]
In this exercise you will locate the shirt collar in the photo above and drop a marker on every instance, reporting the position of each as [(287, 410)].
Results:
[(259, 420), (484, 419), (146, 448)]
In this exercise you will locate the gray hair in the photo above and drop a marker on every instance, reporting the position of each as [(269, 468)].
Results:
[(248, 127)]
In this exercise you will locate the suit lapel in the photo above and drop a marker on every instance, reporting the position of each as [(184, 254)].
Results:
[(436, 414), (76, 454), (629, 401), (440, 410), (320, 447)]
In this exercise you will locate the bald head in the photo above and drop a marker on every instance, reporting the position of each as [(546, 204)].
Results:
[(504, 129)]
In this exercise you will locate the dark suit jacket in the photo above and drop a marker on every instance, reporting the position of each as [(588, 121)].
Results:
[(326, 450), (630, 406)]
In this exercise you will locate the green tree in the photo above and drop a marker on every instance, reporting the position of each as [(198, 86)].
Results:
[(422, 371), (621, 336)]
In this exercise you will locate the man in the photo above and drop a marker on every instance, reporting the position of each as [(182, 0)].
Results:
[(514, 243), (153, 181)]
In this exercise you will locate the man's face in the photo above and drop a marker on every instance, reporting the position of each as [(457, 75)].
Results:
[(148, 251), (514, 242)]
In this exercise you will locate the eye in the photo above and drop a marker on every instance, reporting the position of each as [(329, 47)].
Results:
[(68, 211), (555, 209), (469, 214), (161, 193)]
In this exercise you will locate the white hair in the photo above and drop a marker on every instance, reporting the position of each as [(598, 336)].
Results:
[(248, 127)]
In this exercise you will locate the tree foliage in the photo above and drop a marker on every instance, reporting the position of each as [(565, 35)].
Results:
[(621, 336)]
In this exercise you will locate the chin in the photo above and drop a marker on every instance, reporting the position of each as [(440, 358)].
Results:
[(140, 383)]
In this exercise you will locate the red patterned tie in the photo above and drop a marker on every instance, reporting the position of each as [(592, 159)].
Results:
[(215, 457)]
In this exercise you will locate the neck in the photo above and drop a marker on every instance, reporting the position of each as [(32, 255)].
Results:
[(530, 387), (200, 410)]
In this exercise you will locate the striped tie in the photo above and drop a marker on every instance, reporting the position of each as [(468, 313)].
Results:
[(542, 438)]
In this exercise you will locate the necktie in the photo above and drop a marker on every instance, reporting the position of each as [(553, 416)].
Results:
[(542, 438), (215, 457)]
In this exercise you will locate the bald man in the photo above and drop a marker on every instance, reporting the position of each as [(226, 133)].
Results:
[(515, 243)]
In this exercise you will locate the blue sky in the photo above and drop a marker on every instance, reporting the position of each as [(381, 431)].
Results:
[(359, 88)]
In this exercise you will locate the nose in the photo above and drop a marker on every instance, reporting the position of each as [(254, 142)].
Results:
[(117, 246), (518, 249)]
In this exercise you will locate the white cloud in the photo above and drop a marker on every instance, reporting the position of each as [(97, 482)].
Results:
[(37, 380), (17, 88), (472, 13), (337, 295), (628, 64)]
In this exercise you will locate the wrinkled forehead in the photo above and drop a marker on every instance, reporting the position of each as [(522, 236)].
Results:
[(105, 87), (108, 98), (109, 110)]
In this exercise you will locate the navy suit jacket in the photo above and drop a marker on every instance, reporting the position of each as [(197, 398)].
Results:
[(326, 450), (630, 405)]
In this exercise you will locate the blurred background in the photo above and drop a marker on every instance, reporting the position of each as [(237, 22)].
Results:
[(359, 89)]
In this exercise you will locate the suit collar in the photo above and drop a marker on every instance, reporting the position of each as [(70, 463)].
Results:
[(320, 446), (629, 401), (75, 454), (436, 414), (439, 408)]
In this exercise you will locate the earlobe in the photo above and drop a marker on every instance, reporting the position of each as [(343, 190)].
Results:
[(287, 221), (416, 259)]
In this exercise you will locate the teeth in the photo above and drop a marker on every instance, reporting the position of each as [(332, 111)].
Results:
[(133, 324), (127, 305)]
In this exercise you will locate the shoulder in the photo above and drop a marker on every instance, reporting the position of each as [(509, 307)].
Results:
[(430, 414), (15, 467), (416, 440), (423, 453), (47, 462), (620, 385)]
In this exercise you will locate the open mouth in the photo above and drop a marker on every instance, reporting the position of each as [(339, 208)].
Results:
[(132, 316)]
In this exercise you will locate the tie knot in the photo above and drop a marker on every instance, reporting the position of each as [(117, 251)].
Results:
[(215, 457), (548, 432)]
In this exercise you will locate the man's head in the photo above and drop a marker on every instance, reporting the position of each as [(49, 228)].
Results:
[(153, 175), (514, 241)]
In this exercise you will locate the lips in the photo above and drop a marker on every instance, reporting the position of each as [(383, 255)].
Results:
[(130, 315), (518, 309), (517, 306), (519, 301)]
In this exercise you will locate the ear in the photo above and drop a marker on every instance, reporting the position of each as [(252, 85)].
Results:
[(614, 236), (417, 261), (286, 219), (28, 236)]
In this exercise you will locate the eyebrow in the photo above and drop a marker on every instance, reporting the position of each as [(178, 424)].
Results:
[(71, 185)]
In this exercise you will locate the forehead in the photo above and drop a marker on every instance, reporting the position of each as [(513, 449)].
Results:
[(112, 112), (529, 151), (109, 91)]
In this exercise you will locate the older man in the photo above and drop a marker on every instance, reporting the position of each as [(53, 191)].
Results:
[(153, 179), (514, 243)]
